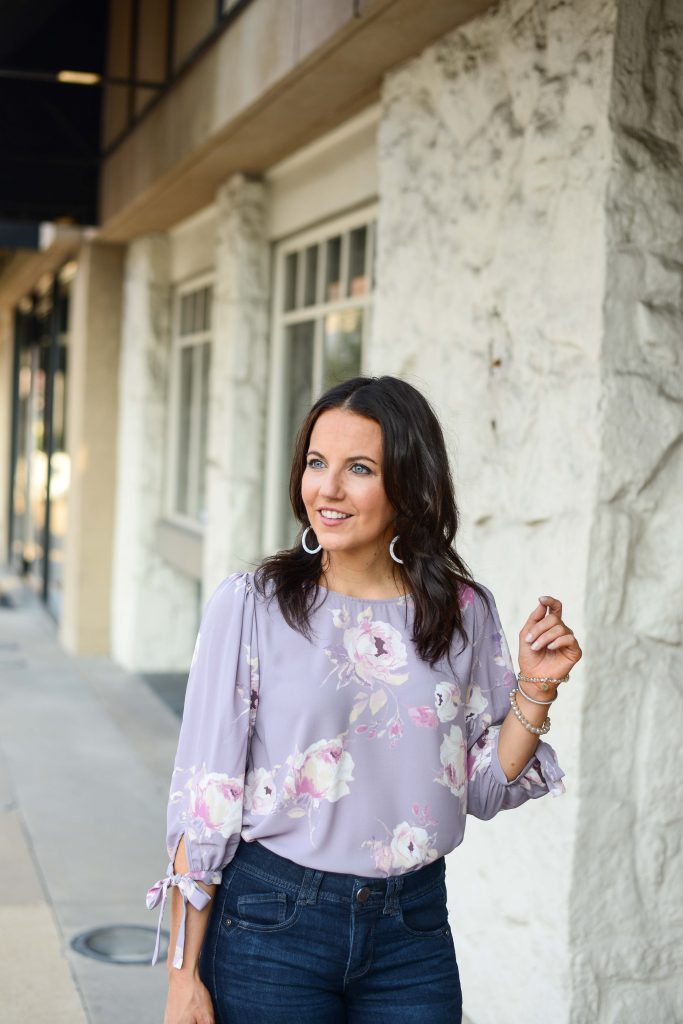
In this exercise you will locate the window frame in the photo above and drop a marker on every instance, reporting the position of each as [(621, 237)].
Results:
[(179, 342), (276, 472)]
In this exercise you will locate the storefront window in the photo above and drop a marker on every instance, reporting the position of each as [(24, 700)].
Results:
[(323, 296), (192, 365)]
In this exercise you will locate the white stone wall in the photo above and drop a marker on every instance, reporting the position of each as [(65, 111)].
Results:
[(626, 915), (494, 164), (154, 607), (239, 376)]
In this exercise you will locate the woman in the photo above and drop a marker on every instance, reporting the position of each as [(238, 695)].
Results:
[(388, 708)]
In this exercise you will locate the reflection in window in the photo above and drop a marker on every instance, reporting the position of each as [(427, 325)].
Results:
[(358, 281), (342, 346), (333, 275)]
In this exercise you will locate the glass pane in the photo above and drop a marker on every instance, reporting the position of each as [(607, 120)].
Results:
[(311, 272), (290, 280), (203, 430), (184, 419), (59, 480), (358, 281), (342, 346), (208, 309), (299, 340), (185, 312), (198, 311), (299, 346), (333, 270)]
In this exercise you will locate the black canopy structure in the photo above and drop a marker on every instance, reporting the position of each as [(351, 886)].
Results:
[(49, 129)]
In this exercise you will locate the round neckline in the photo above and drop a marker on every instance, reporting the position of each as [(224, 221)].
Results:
[(366, 600)]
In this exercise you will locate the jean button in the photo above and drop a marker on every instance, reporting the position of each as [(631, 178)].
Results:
[(363, 894)]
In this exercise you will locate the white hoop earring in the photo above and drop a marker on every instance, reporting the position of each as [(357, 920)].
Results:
[(391, 551), (314, 551)]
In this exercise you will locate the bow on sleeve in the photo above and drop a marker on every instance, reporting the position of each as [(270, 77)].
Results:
[(190, 891)]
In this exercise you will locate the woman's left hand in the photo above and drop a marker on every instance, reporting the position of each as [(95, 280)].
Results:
[(547, 647)]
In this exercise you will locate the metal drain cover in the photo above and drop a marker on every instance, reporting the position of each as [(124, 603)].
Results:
[(121, 943)]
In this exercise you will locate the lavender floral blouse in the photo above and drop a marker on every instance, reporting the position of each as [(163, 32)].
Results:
[(362, 758)]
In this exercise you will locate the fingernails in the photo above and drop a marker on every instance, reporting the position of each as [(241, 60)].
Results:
[(529, 637), (534, 647)]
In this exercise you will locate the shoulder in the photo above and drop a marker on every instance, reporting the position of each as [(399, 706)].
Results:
[(478, 607), (229, 597)]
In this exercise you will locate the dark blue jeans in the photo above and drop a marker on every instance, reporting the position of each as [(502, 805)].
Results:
[(287, 944)]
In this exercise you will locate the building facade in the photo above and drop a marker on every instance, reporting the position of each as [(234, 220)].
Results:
[(487, 200)]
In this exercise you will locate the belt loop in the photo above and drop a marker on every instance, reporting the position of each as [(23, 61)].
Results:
[(310, 884), (394, 887)]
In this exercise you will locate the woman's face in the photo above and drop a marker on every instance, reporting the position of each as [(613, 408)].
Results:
[(344, 474)]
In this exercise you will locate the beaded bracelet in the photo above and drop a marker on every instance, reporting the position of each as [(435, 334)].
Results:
[(533, 699), (537, 730), (542, 681)]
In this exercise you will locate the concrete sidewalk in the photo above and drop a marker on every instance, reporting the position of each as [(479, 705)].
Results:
[(86, 752)]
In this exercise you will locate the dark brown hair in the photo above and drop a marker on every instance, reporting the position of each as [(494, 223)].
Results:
[(418, 484)]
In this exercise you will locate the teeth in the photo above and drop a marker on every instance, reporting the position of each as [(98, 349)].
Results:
[(334, 515)]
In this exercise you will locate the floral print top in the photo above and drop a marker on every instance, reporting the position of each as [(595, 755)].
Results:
[(362, 758)]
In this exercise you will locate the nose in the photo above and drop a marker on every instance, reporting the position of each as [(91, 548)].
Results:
[(330, 485)]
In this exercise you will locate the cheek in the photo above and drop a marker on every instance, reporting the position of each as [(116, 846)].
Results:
[(372, 501), (307, 489)]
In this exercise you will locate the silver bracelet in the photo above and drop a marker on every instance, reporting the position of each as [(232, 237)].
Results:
[(532, 699), (537, 730)]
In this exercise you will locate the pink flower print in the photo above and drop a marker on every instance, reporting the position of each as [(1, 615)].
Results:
[(465, 597), (376, 650), (260, 791), (453, 754), (381, 854), (395, 730), (479, 754), (475, 709), (410, 846), (424, 716), (447, 701), (215, 804), (320, 772)]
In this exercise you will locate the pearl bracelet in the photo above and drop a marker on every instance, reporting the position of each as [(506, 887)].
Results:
[(533, 699), (537, 730)]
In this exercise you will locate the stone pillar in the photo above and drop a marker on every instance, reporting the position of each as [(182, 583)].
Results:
[(92, 414), (239, 371), (6, 369), (627, 883), (497, 196), (155, 607)]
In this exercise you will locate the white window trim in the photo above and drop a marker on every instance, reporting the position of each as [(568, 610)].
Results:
[(178, 343), (277, 474)]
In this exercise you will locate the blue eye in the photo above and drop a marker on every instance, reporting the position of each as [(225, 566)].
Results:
[(364, 468), (311, 461)]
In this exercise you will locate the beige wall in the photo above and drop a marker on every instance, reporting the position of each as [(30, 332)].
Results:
[(92, 413)]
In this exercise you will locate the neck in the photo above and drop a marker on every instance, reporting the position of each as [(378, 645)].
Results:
[(360, 574)]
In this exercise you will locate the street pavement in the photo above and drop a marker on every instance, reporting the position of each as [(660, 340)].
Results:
[(86, 751)]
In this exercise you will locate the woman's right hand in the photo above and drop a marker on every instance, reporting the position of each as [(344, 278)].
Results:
[(188, 1000)]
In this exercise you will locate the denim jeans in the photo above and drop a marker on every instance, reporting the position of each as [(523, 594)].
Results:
[(286, 944)]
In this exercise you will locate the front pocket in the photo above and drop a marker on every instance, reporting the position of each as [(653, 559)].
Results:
[(257, 904), (427, 913)]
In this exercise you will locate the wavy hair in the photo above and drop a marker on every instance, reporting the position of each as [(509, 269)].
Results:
[(418, 484)]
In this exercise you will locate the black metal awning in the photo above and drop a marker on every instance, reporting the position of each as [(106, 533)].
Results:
[(49, 130)]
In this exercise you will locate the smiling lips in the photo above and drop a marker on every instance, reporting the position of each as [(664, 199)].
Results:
[(332, 517)]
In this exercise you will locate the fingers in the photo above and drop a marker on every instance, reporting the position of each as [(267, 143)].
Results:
[(563, 641), (543, 639), (538, 622)]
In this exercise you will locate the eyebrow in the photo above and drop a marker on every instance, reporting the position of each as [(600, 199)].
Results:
[(351, 458)]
